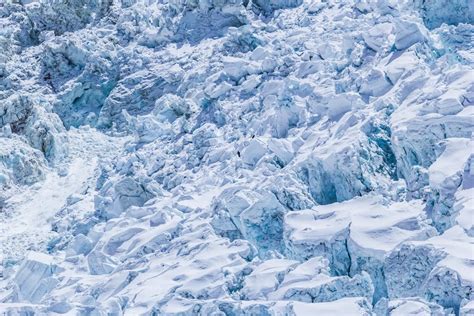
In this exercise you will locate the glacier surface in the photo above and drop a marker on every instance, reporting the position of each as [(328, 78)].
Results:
[(236, 157)]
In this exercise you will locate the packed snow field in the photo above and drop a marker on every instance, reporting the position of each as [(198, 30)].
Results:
[(236, 157)]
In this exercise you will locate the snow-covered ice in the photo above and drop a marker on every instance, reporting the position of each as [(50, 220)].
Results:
[(236, 157)]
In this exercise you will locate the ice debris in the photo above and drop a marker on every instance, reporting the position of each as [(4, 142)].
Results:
[(236, 157)]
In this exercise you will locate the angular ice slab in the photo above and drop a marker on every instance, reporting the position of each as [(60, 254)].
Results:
[(355, 235), (437, 12), (427, 268), (35, 278), (351, 306)]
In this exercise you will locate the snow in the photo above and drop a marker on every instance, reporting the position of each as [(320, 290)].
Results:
[(413, 307), (452, 160), (375, 228), (283, 157), (33, 208)]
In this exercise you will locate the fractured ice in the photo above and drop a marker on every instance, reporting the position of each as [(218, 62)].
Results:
[(236, 157)]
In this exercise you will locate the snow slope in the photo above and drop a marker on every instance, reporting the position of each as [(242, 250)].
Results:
[(234, 157)]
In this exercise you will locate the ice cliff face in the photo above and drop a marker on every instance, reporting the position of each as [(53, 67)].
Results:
[(233, 157)]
